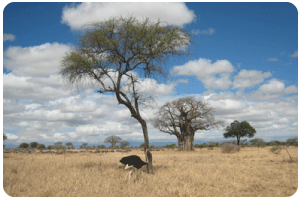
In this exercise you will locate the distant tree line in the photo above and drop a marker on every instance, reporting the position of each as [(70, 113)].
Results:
[(256, 142)]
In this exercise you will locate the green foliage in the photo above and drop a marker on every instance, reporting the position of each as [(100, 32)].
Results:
[(239, 129), (101, 146), (124, 144), (4, 136), (258, 142), (203, 145), (41, 146), (276, 149), (142, 145), (84, 144), (33, 145), (170, 146), (292, 141), (24, 145), (50, 147), (123, 44), (69, 145)]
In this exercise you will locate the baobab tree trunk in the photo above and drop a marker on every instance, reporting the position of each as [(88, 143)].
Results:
[(186, 143)]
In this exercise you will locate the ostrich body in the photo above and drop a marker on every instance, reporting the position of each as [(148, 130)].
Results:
[(132, 161)]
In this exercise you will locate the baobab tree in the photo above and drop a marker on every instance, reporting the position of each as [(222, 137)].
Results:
[(114, 52), (183, 117), (113, 140)]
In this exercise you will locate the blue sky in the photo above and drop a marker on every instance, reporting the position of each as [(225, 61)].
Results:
[(244, 63)]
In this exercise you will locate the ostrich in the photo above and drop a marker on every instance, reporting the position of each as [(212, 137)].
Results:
[(132, 161)]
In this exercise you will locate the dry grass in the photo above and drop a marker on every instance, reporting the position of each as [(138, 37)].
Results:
[(202, 173)]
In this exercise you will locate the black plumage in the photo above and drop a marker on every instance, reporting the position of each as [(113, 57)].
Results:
[(134, 161)]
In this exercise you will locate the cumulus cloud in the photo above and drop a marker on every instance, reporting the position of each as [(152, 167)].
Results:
[(15, 87), (11, 136), (276, 87), (8, 37), (213, 75), (35, 61), (174, 13), (269, 117), (249, 78)]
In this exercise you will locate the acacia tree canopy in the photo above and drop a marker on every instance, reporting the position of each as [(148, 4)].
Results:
[(183, 117), (239, 129)]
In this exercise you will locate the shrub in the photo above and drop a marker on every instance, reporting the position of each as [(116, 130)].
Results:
[(276, 149), (229, 148), (60, 151)]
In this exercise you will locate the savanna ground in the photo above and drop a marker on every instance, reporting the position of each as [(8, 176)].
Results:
[(202, 173)]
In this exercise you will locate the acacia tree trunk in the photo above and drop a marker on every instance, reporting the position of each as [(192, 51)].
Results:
[(238, 140), (148, 154)]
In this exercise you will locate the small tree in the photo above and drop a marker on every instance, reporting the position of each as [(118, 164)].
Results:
[(84, 144), (4, 138), (41, 146), (24, 145), (124, 144), (33, 145), (239, 129), (59, 145), (69, 145), (113, 140), (50, 147)]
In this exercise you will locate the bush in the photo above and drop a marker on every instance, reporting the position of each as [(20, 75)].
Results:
[(170, 145), (41, 146), (60, 151), (229, 148)]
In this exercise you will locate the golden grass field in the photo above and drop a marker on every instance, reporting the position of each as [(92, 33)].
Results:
[(202, 173)]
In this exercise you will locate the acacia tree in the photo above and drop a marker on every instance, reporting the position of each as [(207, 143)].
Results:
[(183, 117), (239, 129), (69, 145), (124, 144), (33, 145), (113, 140), (112, 53)]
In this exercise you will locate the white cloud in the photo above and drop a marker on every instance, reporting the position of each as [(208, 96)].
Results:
[(59, 136), (272, 59), (174, 13), (249, 78), (276, 87), (26, 87), (213, 75), (36, 61), (209, 31), (11, 136), (8, 37), (294, 55)]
